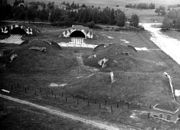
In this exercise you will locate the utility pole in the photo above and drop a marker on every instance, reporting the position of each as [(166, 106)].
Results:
[(170, 84)]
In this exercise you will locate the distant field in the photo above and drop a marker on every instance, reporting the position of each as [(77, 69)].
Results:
[(30, 77), (145, 15), (115, 2)]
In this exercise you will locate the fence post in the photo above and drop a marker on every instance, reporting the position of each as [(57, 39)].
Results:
[(105, 102), (111, 109), (35, 92), (11, 87), (150, 106), (77, 101), (46, 92), (25, 90), (66, 99), (40, 89), (88, 102), (95, 101), (99, 105), (52, 92), (117, 105)]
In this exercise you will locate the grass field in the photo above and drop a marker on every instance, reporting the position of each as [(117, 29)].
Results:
[(15, 116), (131, 87)]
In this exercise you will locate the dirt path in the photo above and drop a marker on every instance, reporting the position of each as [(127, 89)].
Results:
[(57, 112), (81, 64)]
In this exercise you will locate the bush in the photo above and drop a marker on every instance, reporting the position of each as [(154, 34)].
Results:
[(172, 20), (141, 6), (91, 24), (134, 21), (160, 11), (120, 18)]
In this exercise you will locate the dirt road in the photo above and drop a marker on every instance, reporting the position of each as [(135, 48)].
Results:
[(57, 112), (167, 44)]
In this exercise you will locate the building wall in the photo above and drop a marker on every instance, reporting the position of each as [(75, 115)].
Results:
[(77, 40), (164, 116)]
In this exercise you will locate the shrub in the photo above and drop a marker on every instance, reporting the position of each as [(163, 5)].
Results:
[(134, 21)]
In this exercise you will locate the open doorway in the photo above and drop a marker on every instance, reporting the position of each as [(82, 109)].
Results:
[(77, 37), (77, 34), (18, 30)]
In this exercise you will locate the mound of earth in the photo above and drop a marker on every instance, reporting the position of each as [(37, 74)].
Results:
[(40, 56), (115, 57), (131, 87), (49, 44), (20, 29)]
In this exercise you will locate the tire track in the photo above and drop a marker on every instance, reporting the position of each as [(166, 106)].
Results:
[(57, 112)]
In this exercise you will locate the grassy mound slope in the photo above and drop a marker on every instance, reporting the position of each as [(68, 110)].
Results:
[(120, 57), (128, 86), (52, 60)]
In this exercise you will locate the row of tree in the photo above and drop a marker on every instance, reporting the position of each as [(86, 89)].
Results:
[(141, 6), (172, 19), (161, 11), (68, 15)]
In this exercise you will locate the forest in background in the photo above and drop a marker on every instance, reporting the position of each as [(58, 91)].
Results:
[(65, 14)]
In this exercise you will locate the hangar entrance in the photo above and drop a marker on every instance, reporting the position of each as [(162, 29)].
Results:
[(77, 37), (18, 30)]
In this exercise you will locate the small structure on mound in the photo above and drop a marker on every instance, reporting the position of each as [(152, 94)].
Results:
[(166, 111), (19, 29), (78, 33)]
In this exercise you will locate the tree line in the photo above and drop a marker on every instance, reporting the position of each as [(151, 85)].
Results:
[(172, 20), (65, 14), (141, 6)]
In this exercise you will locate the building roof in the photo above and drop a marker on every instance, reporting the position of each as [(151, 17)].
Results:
[(80, 27), (169, 107)]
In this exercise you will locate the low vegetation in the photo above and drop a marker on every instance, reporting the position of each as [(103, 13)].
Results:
[(161, 11), (172, 20), (65, 15)]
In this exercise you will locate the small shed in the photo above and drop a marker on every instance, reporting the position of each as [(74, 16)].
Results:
[(168, 111)]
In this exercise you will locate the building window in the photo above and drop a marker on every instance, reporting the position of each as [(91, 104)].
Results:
[(168, 117), (161, 115)]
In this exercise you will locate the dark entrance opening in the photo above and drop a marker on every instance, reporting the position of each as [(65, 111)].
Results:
[(77, 34), (18, 30)]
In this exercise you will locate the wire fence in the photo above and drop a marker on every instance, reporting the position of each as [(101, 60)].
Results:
[(63, 97)]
